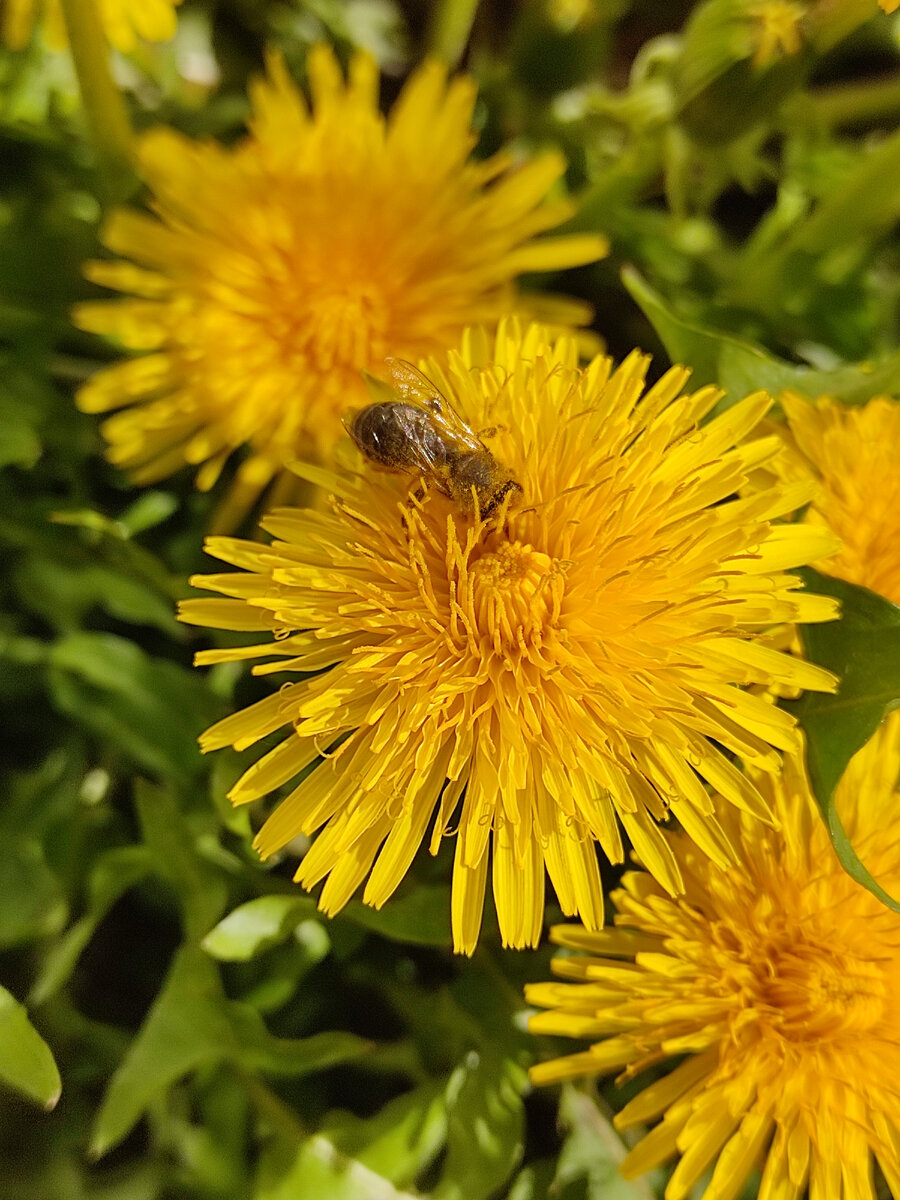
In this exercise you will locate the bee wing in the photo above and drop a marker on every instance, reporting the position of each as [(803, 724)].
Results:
[(415, 388), (422, 447)]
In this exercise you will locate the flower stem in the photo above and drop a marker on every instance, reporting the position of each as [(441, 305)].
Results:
[(451, 25), (104, 107), (857, 103), (280, 1116)]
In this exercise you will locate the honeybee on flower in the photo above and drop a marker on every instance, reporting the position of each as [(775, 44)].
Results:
[(419, 431), (537, 680)]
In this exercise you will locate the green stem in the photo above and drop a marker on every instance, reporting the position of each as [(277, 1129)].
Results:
[(857, 103), (451, 25), (280, 1116), (104, 107)]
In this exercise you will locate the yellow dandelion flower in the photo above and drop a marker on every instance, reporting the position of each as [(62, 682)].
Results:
[(889, 6), (123, 21), (325, 241), (775, 983), (777, 29), (852, 454), (540, 678)]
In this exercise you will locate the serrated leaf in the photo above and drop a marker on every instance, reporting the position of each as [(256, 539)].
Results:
[(26, 1061), (486, 1130), (255, 926), (192, 1024), (150, 708), (740, 367), (259, 1050), (863, 649)]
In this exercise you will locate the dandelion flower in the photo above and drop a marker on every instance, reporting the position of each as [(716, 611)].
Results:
[(325, 241), (778, 29), (537, 680), (852, 454), (776, 984), (123, 21)]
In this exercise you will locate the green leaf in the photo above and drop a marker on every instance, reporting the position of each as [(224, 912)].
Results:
[(259, 1050), (401, 1140), (721, 92), (24, 400), (20, 445), (148, 510), (199, 885), (863, 649), (255, 926), (192, 1024), (26, 1061), (593, 1152), (319, 1170), (535, 1181), (419, 915), (32, 901), (740, 367), (864, 207), (486, 1132), (151, 709), (64, 593), (286, 966), (112, 875), (186, 1028)]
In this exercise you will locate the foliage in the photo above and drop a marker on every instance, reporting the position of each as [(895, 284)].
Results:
[(212, 1034)]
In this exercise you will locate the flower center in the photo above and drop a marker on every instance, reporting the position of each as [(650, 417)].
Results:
[(817, 992), (346, 327), (515, 593)]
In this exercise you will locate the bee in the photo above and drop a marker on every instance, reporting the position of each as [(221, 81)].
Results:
[(420, 433)]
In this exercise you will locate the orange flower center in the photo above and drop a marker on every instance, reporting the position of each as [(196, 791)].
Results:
[(815, 992), (347, 328), (515, 594)]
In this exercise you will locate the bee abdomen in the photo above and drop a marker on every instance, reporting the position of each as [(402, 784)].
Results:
[(396, 435)]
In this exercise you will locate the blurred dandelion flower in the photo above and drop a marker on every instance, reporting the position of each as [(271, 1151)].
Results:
[(570, 667), (777, 984), (852, 454), (889, 6), (778, 29), (325, 241), (123, 21)]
